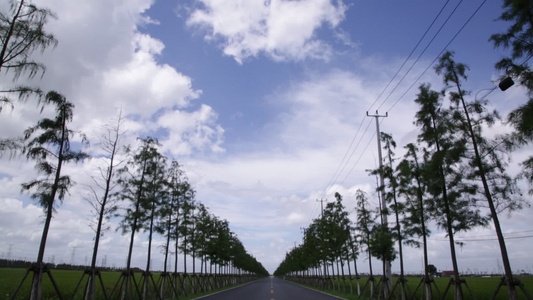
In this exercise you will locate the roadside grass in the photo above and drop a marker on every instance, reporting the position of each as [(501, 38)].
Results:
[(482, 288), (67, 280), (10, 278)]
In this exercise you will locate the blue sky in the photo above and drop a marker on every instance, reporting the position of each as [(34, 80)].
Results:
[(260, 102)]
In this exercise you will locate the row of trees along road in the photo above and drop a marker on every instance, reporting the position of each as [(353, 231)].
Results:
[(159, 198), (450, 176)]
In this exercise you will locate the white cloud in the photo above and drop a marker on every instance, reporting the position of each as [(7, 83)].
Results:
[(283, 30), (102, 62), (195, 131)]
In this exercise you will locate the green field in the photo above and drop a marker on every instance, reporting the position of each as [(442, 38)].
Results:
[(66, 280), (10, 278), (482, 288)]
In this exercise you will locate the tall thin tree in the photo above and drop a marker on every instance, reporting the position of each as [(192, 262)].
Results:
[(103, 204), (156, 196), (412, 187), (48, 143), (134, 179), (397, 207), (454, 206), (498, 188), (364, 224)]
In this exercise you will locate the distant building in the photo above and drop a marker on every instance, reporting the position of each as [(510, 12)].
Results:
[(447, 273)]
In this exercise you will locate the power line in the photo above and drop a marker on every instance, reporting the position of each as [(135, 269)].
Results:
[(353, 152), (486, 239), (440, 53), (344, 162), (410, 54), (337, 173), (422, 53), (360, 156)]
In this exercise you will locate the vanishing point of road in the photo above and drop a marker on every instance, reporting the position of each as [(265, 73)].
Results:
[(270, 288)]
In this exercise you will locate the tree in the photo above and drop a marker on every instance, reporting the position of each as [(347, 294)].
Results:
[(48, 143), (22, 33), (398, 208), (497, 186), (413, 188), (381, 243), (185, 199), (432, 270), (335, 227), (187, 226), (135, 178), (103, 204), (364, 224), (168, 224), (156, 196), (519, 37), (453, 204)]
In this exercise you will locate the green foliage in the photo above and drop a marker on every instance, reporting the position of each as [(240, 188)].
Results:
[(335, 227), (381, 243), (519, 37), (48, 143), (487, 162), (527, 172), (21, 34), (134, 179), (520, 119), (364, 225), (325, 240), (11, 146), (453, 203), (432, 270), (365, 218), (413, 189)]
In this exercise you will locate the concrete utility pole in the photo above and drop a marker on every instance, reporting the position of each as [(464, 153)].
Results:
[(321, 206), (382, 182)]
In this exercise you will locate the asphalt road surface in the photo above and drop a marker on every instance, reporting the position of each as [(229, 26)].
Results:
[(269, 288)]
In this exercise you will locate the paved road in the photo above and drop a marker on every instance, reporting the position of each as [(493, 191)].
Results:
[(270, 288)]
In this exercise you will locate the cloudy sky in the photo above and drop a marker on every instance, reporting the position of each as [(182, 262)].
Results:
[(264, 104)]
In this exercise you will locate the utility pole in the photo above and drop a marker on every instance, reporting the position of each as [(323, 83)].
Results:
[(321, 216), (321, 206), (382, 181)]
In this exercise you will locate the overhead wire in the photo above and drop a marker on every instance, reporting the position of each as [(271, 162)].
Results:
[(351, 155), (345, 161), (360, 156), (422, 53), (484, 239), (438, 56), (410, 54), (336, 174)]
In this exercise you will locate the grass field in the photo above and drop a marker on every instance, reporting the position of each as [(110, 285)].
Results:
[(482, 287), (10, 278), (66, 280)]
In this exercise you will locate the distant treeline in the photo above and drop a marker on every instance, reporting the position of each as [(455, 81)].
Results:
[(9, 263)]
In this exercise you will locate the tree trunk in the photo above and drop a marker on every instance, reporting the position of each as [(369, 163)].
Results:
[(427, 279), (494, 214), (36, 288)]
